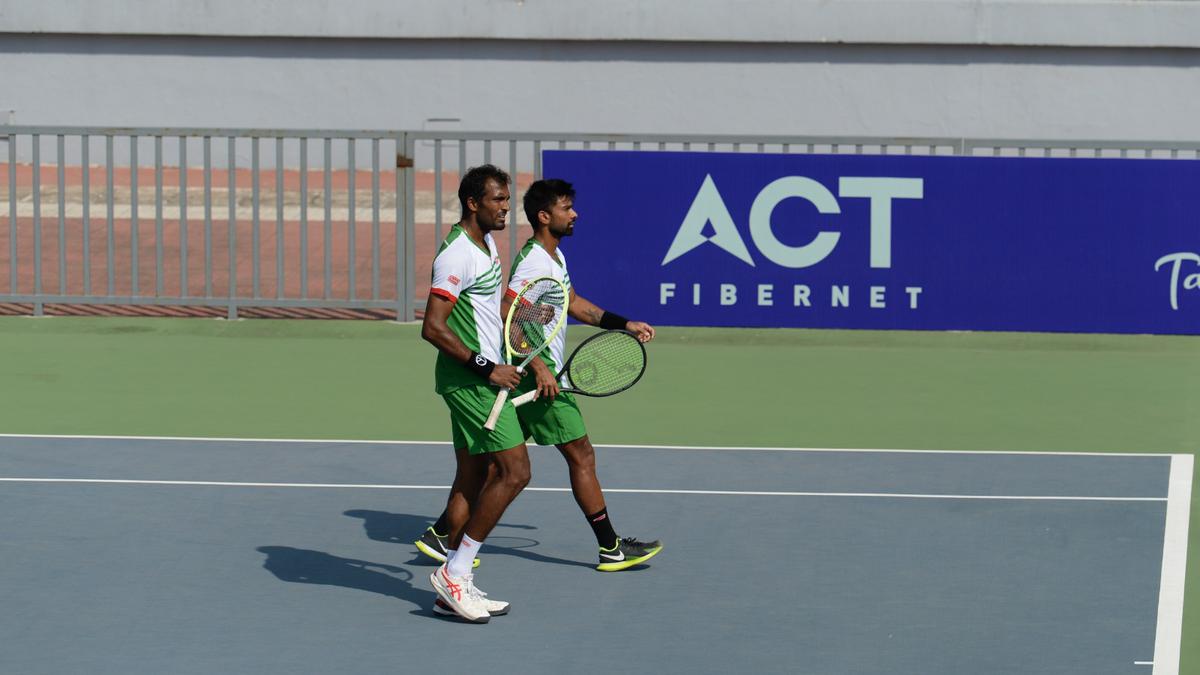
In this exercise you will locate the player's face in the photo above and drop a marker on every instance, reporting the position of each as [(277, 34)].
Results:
[(562, 217), (491, 211)]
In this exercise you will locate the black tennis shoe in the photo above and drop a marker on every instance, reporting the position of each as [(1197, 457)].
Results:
[(434, 545), (627, 553)]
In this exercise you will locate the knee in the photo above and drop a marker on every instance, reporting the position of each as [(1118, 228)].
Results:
[(521, 476), (515, 476), (580, 455)]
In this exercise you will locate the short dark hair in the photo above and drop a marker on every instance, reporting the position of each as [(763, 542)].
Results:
[(543, 195), (475, 180)]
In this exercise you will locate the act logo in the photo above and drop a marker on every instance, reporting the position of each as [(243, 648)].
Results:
[(1189, 282), (709, 207)]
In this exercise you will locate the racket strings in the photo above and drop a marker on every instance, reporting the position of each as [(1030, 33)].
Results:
[(609, 363), (536, 313)]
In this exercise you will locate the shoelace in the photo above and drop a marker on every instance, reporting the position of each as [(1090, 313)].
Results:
[(472, 589)]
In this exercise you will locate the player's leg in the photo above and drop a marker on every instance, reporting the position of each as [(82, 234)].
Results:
[(509, 476), (470, 475), (616, 553), (585, 485), (435, 540), (488, 485), (468, 481), (559, 422)]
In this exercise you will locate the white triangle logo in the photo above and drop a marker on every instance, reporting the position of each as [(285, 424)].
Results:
[(708, 207)]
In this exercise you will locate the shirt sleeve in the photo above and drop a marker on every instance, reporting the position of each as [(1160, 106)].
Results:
[(526, 270), (451, 274)]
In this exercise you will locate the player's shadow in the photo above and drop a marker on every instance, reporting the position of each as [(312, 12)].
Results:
[(393, 528), (404, 528), (519, 547), (302, 566)]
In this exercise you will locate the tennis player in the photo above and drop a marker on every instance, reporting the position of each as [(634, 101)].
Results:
[(462, 319), (554, 418)]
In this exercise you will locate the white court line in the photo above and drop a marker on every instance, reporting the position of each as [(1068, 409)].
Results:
[(1168, 635), (738, 493), (210, 439)]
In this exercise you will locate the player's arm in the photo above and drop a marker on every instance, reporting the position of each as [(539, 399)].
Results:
[(546, 384), (581, 309), (436, 331)]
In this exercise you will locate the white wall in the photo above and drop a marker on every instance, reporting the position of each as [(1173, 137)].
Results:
[(1144, 23), (938, 68)]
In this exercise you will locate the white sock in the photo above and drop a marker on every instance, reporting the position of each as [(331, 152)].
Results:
[(462, 559)]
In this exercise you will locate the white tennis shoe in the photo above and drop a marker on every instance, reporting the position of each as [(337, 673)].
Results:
[(494, 607), (460, 595)]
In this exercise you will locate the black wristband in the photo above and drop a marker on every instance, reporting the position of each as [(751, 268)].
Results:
[(610, 321), (479, 364)]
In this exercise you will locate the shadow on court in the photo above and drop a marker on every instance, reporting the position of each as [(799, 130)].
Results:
[(518, 547), (401, 528), (393, 528), (302, 566), (404, 528)]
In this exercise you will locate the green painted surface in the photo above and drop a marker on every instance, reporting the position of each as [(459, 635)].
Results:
[(853, 389)]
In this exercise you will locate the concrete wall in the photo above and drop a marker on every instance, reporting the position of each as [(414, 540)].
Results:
[(1020, 69), (1120, 23)]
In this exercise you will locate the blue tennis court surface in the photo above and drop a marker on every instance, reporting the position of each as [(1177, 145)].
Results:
[(140, 555)]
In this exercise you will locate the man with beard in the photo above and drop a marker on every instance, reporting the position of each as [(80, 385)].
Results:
[(554, 418), (462, 319)]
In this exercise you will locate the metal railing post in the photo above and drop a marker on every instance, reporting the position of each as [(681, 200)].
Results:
[(407, 254)]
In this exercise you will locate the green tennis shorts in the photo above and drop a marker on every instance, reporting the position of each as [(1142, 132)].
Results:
[(469, 409), (551, 422)]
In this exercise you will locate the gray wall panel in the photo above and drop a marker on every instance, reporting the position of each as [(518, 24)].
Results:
[(1142, 23), (689, 87)]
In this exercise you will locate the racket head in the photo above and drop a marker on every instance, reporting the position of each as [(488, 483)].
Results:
[(606, 363), (537, 315)]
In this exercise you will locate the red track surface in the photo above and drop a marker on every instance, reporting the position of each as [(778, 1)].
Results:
[(70, 278)]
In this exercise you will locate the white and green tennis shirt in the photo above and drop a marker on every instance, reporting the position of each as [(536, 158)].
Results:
[(470, 277), (534, 262)]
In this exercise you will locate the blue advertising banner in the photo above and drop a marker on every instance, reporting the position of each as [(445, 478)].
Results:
[(877, 242)]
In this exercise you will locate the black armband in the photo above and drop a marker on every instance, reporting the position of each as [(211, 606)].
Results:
[(610, 321), (479, 364)]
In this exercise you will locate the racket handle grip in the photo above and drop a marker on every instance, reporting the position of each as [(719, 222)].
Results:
[(524, 398), (490, 424)]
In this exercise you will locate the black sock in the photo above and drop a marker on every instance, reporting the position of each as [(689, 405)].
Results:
[(440, 528), (602, 527)]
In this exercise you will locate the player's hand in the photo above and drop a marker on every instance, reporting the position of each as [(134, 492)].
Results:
[(643, 331), (505, 376), (546, 384)]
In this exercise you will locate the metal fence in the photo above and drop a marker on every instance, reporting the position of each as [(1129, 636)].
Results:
[(207, 217), (309, 219)]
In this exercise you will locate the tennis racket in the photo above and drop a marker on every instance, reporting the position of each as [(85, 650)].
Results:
[(535, 317), (606, 363)]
